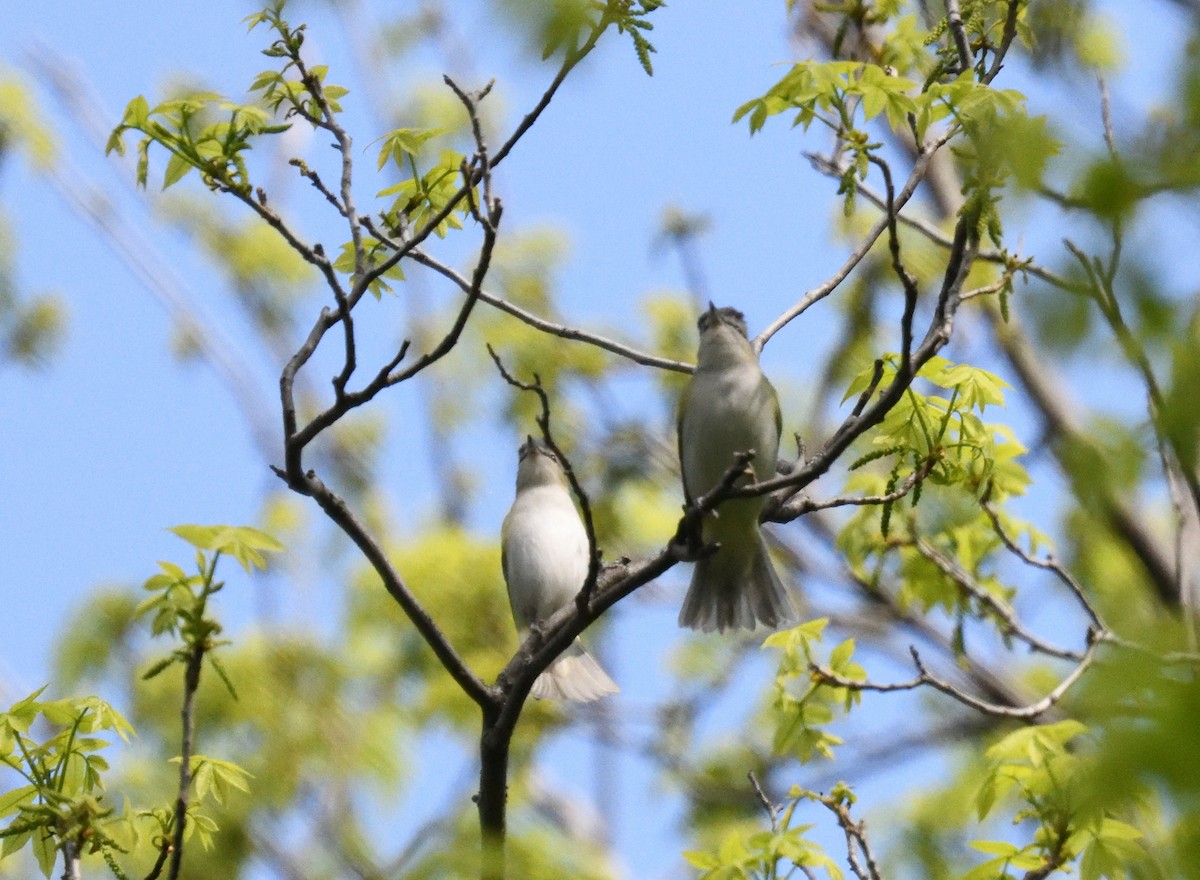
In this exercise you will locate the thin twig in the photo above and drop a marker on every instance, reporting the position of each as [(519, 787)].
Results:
[(470, 102), (319, 185), (925, 677), (1006, 39), (1011, 624), (827, 166), (987, 289), (920, 166), (865, 397), (856, 839), (561, 330), (958, 30), (191, 683), (543, 421), (938, 333), (772, 809), (1106, 117), (803, 505), (906, 280), (164, 851), (1048, 564), (388, 375), (337, 510), (420, 235)]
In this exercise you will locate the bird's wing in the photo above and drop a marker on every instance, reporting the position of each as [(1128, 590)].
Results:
[(687, 496), (504, 548)]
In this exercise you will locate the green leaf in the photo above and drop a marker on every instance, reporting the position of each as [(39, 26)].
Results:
[(11, 801), (996, 847), (159, 667), (841, 654), (702, 860), (14, 843), (177, 167), (45, 852), (137, 113)]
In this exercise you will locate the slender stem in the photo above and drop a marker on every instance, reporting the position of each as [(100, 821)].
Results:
[(585, 506), (958, 29), (927, 678), (339, 513), (920, 167), (563, 331), (191, 682), (70, 851), (1004, 613), (856, 840)]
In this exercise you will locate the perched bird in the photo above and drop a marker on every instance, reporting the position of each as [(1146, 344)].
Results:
[(544, 554), (726, 408)]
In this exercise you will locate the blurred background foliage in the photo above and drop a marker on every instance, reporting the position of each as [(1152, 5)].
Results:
[(361, 748)]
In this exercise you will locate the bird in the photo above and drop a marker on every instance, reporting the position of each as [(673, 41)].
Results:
[(544, 556), (727, 407)]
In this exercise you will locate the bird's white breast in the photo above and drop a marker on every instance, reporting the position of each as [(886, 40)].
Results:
[(545, 551)]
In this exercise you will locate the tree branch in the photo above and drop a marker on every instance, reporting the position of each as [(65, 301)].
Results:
[(920, 166), (958, 30), (927, 678), (561, 330), (338, 511), (1007, 617), (856, 839), (543, 421)]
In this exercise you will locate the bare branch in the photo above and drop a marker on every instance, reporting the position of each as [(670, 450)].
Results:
[(827, 166), (1007, 617), (543, 420), (803, 505), (1106, 117), (925, 677), (856, 839), (869, 391), (573, 58), (920, 166), (906, 280), (418, 237), (1063, 422), (561, 330), (318, 184), (338, 511), (772, 809), (1006, 39), (470, 102), (962, 44), (1047, 564)]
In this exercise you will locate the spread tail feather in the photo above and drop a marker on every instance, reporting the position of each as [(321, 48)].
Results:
[(575, 675), (731, 591)]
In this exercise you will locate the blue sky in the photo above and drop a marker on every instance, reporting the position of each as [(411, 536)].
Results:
[(115, 440)]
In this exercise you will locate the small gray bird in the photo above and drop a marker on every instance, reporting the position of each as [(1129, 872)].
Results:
[(726, 408), (544, 554)]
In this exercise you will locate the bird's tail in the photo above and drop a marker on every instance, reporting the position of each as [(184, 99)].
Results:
[(575, 675), (737, 590)]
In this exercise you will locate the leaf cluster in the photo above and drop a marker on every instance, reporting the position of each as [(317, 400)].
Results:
[(805, 703), (201, 131), (915, 85), (1039, 767), (61, 802), (769, 854)]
